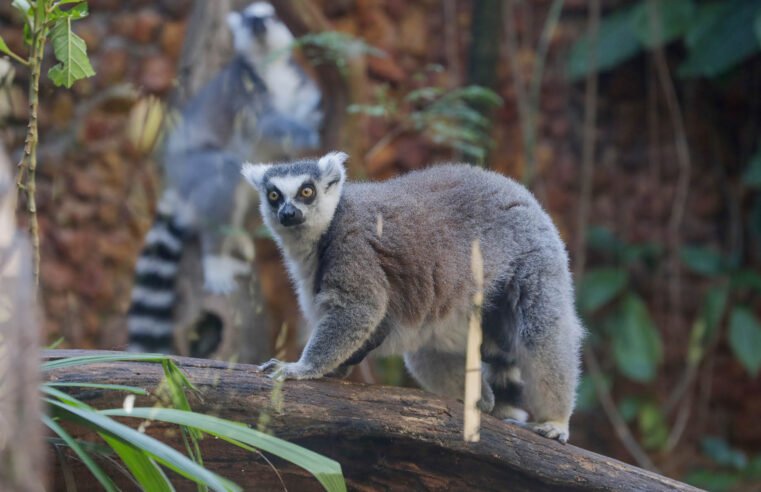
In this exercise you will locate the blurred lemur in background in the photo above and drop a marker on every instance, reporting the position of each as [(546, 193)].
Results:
[(388, 266), (261, 106)]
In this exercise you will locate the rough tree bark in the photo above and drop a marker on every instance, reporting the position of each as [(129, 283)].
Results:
[(384, 438)]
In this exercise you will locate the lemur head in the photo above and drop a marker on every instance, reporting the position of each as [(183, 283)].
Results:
[(299, 198), (257, 32)]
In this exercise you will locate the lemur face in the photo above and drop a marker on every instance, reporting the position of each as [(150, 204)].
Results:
[(300, 196), (257, 32)]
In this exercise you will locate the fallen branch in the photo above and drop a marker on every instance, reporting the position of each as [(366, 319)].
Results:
[(384, 438)]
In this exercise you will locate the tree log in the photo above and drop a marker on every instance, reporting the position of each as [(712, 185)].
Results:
[(385, 438)]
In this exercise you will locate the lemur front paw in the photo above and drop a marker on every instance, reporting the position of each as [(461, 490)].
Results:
[(279, 370)]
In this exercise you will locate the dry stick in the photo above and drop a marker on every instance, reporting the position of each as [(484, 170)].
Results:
[(590, 117), (472, 415)]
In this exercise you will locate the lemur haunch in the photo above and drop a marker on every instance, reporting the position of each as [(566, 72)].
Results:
[(388, 266), (259, 106)]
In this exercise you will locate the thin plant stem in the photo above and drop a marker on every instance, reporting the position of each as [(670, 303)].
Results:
[(28, 166)]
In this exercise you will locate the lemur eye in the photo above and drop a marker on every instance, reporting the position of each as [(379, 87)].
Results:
[(307, 191), (273, 196)]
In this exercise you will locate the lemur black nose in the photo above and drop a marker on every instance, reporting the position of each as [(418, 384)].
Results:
[(290, 215)]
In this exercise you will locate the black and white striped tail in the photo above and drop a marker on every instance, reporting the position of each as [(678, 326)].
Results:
[(149, 319)]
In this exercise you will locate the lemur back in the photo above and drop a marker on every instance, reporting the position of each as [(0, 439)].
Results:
[(388, 266), (241, 113)]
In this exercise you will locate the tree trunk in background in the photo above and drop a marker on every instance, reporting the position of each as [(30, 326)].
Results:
[(340, 88), (205, 50), (483, 55), (485, 32), (384, 438), (22, 465), (246, 334)]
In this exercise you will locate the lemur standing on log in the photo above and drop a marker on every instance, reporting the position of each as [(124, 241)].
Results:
[(260, 106), (388, 266)]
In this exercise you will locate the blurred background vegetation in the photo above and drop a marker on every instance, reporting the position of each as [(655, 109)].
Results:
[(636, 123)]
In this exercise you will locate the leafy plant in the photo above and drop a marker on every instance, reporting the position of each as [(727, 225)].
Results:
[(733, 469), (43, 19), (718, 35), (608, 301), (446, 117), (144, 457), (334, 47)]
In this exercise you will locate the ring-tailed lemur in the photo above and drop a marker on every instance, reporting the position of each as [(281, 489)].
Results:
[(260, 106), (388, 266)]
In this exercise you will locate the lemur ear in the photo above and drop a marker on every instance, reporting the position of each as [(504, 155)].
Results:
[(234, 20), (254, 173), (332, 166)]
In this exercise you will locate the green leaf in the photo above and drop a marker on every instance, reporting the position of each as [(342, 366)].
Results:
[(723, 42), (752, 174), (706, 15), (616, 42), (114, 387), (745, 339), (83, 455), (24, 7), (715, 481), (147, 473), (702, 260), (652, 425), (629, 408), (647, 252), (4, 47), (598, 287), (721, 453), (746, 279), (659, 23), (753, 470), (636, 343), (71, 52), (75, 13), (714, 305), (81, 360), (602, 239), (158, 450), (327, 471)]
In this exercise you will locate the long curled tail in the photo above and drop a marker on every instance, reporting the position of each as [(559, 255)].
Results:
[(150, 316)]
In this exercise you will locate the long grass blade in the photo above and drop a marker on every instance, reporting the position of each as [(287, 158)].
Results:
[(158, 450), (91, 465), (81, 360), (115, 387), (148, 474), (325, 470)]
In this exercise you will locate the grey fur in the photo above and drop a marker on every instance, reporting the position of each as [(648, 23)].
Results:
[(390, 266)]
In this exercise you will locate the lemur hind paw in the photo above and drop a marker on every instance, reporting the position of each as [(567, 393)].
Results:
[(551, 430)]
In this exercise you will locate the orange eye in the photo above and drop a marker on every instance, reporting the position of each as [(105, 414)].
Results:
[(307, 192), (273, 196)]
